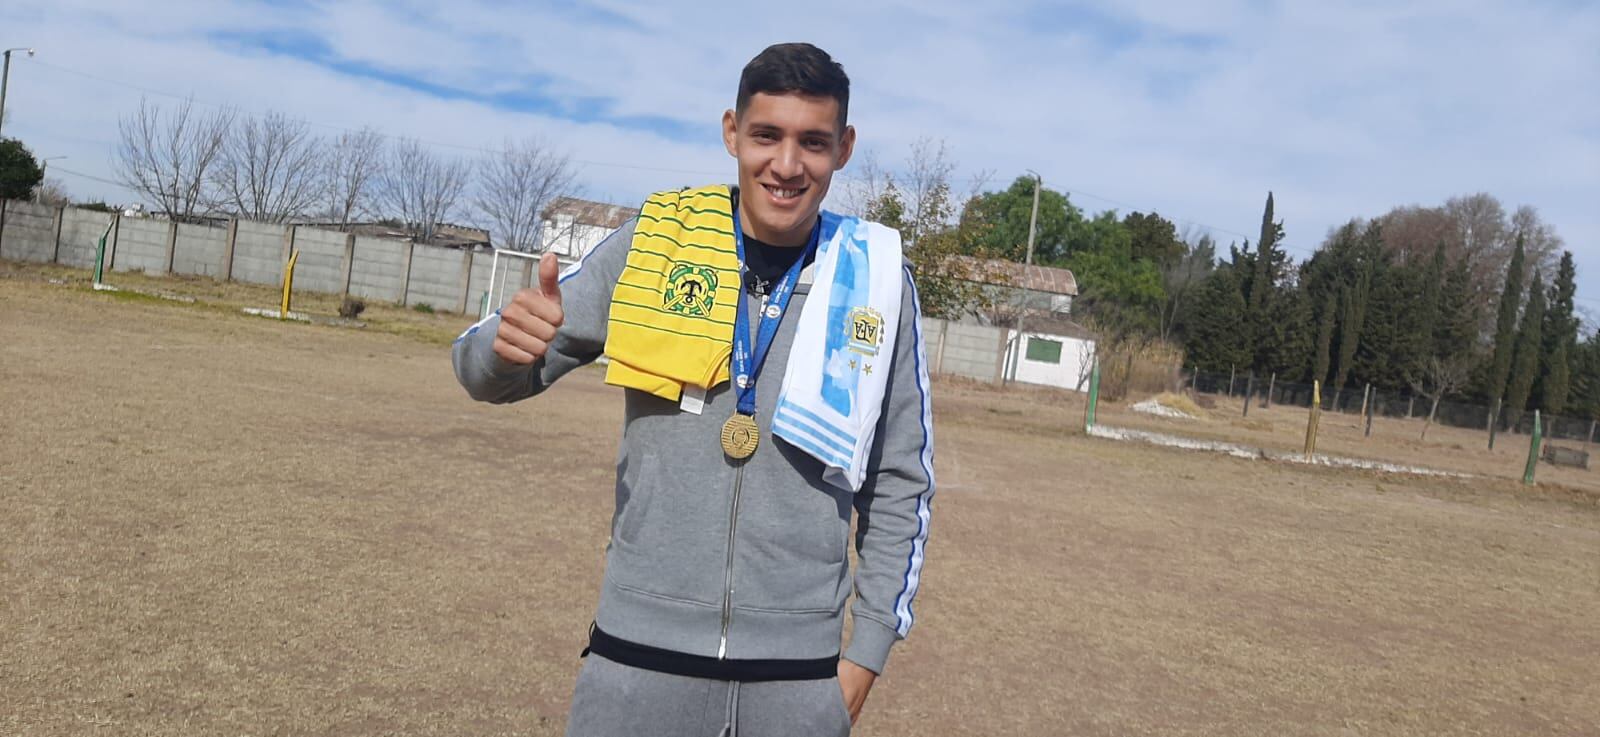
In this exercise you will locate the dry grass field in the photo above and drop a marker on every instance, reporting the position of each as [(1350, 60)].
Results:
[(212, 524)]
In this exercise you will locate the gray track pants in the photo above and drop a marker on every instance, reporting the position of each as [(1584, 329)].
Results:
[(615, 700)]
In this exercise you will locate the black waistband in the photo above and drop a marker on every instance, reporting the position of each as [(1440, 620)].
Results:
[(700, 666)]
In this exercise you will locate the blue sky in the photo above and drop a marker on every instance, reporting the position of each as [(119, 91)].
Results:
[(1194, 110)]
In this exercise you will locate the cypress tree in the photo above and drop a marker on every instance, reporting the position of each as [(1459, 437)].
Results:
[(1586, 378), (1455, 330), (1215, 341), (1265, 329), (1560, 339), (1352, 314), (1325, 322), (1432, 302), (1505, 327), (1525, 363), (1353, 302), (1557, 381)]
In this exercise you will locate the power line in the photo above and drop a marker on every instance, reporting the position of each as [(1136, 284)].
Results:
[(92, 177), (608, 164)]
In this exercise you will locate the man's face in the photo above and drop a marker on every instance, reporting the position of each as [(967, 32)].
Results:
[(788, 147)]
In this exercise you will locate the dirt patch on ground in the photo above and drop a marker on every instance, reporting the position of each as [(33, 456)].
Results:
[(217, 524)]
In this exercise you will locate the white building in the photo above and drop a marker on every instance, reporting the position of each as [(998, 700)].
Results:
[(1051, 349), (573, 227)]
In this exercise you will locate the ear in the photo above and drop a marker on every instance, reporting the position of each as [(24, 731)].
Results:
[(847, 146), (730, 133)]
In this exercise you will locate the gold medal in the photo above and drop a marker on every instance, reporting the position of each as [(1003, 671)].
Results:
[(740, 436)]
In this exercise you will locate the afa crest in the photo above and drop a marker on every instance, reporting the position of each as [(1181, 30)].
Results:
[(866, 330), (691, 290)]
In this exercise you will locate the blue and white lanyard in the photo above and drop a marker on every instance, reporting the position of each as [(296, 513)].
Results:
[(747, 365)]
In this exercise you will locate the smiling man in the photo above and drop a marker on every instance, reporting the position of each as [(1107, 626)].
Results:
[(771, 357)]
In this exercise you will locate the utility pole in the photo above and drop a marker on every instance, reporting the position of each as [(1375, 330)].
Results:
[(5, 75), (1033, 225), (1033, 220), (44, 167)]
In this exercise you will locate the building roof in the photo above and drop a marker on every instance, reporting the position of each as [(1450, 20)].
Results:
[(589, 212), (1054, 325), (1046, 279), (448, 235)]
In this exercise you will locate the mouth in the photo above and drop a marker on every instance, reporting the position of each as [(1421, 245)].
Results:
[(784, 195)]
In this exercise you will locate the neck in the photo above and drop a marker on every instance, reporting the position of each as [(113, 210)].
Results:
[(794, 239)]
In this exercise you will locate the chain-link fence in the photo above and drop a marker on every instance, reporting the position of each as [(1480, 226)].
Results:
[(1355, 400)]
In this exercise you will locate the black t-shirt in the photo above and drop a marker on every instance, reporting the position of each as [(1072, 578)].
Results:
[(765, 264)]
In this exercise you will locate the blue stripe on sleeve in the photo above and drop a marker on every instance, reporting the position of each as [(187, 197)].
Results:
[(914, 559)]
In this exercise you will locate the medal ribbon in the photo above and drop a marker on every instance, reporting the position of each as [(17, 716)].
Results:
[(747, 363)]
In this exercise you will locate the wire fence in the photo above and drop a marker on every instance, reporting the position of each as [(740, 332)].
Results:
[(1359, 400)]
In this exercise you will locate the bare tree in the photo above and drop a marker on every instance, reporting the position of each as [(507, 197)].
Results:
[(930, 203), (1182, 277), (51, 192), (924, 194), (268, 170), (169, 159), (515, 186), (866, 186), (353, 163), (1539, 239), (1411, 232), (1440, 375), (419, 187)]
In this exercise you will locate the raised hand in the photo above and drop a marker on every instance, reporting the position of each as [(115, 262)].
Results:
[(529, 323)]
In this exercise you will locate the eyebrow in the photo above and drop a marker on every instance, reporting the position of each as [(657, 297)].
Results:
[(823, 132)]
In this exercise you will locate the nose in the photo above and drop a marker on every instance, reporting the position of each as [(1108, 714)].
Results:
[(786, 165)]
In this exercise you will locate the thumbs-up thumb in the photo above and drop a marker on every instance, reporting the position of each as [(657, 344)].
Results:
[(549, 277)]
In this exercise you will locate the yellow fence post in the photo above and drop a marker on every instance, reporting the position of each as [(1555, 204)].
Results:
[(1311, 422), (288, 283)]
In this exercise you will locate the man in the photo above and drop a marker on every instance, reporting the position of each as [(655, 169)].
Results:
[(727, 573)]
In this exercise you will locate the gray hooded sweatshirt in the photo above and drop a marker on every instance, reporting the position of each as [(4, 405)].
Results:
[(729, 559)]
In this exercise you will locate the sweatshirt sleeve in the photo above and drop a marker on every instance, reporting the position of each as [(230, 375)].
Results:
[(586, 302), (893, 504)]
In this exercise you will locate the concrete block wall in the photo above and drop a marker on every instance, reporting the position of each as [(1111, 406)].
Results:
[(138, 245), (199, 249), (379, 270), (320, 267), (29, 232), (482, 264), (258, 255), (80, 236), (436, 278), (445, 278), (963, 350)]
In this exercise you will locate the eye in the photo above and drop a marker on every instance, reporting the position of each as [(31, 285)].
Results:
[(816, 144), (766, 136)]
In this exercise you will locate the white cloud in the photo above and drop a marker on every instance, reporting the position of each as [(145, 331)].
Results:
[(1194, 110)]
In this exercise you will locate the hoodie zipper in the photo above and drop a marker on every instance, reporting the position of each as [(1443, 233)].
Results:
[(727, 584)]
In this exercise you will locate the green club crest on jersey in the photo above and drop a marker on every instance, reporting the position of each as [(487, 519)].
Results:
[(691, 290)]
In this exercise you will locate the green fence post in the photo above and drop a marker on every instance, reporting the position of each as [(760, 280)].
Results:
[(1533, 449), (1094, 396), (100, 255)]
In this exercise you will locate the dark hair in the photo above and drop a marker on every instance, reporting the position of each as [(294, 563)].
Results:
[(794, 67)]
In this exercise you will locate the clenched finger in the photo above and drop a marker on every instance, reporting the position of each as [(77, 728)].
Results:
[(528, 343), (533, 325), (511, 353), (539, 306)]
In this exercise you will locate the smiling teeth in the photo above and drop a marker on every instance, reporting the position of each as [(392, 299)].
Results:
[(785, 194)]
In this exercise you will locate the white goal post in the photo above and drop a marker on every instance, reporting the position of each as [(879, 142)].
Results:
[(499, 271)]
